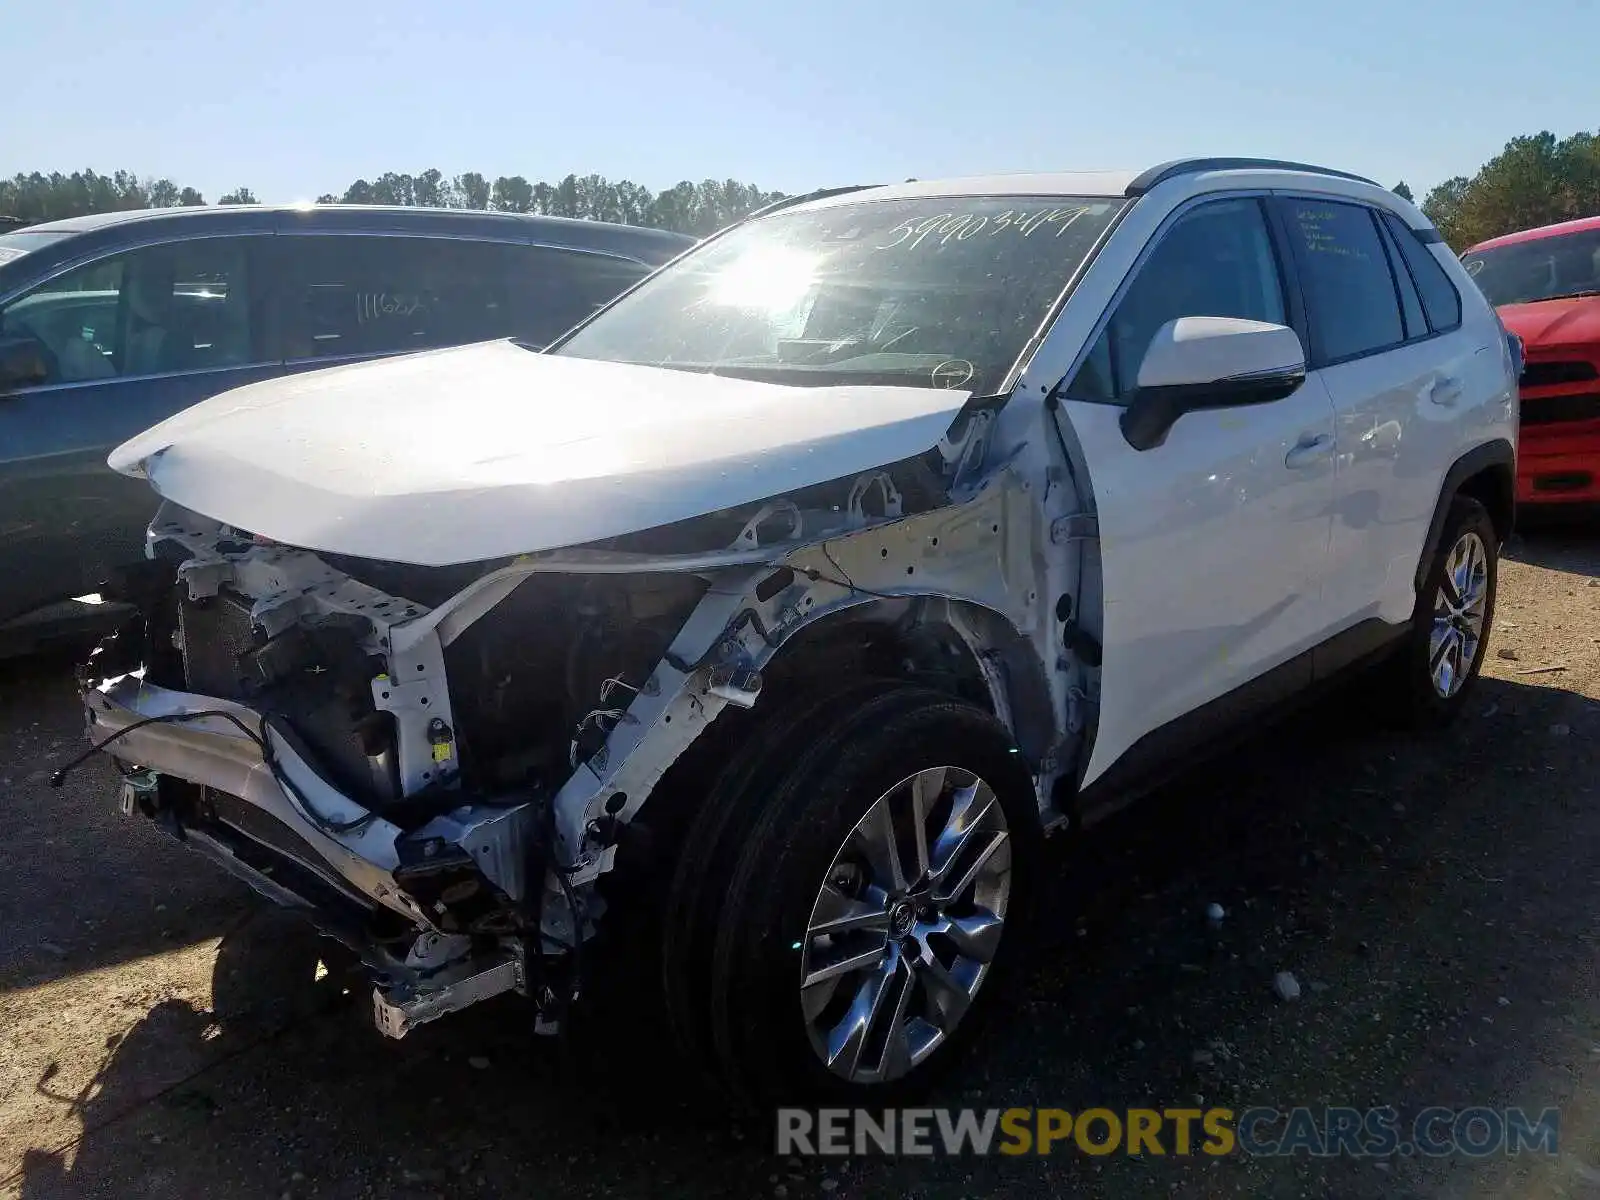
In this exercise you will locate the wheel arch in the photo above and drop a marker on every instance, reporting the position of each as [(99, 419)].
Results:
[(1487, 473), (959, 647)]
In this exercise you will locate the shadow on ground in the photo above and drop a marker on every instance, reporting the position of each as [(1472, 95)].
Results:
[(84, 887), (1391, 874), (1435, 897)]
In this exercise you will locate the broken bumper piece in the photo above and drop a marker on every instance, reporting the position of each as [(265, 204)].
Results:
[(199, 766)]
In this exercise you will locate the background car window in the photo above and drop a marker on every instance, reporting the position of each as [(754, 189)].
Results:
[(352, 294), (1215, 261), (1544, 268), (1345, 275), (184, 306), (1440, 300), (552, 290)]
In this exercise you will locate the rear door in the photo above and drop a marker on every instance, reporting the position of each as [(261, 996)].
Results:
[(1213, 545), (131, 338), (1397, 377)]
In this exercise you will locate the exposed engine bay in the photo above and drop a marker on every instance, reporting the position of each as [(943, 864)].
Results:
[(437, 764)]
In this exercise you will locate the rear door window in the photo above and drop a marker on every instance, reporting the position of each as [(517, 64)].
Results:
[(350, 295), (1350, 294), (555, 289)]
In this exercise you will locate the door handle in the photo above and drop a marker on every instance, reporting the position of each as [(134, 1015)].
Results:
[(1309, 451), (1446, 390)]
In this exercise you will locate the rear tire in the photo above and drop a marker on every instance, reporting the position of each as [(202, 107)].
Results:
[(816, 823), (1427, 683)]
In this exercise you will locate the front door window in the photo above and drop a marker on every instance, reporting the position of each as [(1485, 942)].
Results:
[(184, 306)]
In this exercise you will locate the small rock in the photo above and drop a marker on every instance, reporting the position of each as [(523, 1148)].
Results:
[(478, 1062), (1398, 809), (1503, 1002), (298, 1177), (1203, 1058), (781, 1190), (1286, 986), (155, 1139), (52, 948), (1381, 1165), (1138, 1044), (829, 1184), (1560, 730), (1215, 913), (1507, 653), (1594, 583), (1317, 987)]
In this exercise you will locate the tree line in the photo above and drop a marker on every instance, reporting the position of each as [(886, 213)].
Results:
[(1536, 180), (693, 208)]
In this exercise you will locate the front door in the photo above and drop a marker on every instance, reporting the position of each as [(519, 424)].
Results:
[(128, 341), (1214, 544)]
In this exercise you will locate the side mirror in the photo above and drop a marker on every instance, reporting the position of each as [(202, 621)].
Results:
[(1210, 362), (23, 362)]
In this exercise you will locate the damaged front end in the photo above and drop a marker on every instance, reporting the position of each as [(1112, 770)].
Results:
[(436, 765)]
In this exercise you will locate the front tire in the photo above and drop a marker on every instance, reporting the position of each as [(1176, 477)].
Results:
[(872, 905)]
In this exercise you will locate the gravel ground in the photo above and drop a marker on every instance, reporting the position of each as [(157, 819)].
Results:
[(1435, 899)]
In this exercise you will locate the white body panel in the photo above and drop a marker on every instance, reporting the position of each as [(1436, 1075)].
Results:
[(490, 450), (1404, 416), (1213, 552), (1219, 564)]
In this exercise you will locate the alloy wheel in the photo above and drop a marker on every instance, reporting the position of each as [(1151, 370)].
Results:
[(906, 925), (1459, 609)]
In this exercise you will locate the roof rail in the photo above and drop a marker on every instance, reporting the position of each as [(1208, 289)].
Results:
[(819, 194), (1189, 166)]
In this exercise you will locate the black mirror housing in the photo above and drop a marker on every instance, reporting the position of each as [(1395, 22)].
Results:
[(1153, 411)]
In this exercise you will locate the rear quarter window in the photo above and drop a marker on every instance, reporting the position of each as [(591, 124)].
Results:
[(554, 289), (1440, 300)]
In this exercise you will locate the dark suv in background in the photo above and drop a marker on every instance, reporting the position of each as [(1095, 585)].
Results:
[(111, 323)]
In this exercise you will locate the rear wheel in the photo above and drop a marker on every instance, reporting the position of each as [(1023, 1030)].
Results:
[(1432, 675), (870, 897)]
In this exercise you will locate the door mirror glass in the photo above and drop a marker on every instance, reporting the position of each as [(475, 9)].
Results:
[(24, 362), (1210, 362)]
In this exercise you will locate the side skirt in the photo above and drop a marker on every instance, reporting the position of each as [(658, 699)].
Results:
[(1222, 724)]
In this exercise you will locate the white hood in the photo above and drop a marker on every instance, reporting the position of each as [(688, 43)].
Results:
[(490, 450)]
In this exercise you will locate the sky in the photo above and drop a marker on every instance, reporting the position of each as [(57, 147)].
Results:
[(295, 98)]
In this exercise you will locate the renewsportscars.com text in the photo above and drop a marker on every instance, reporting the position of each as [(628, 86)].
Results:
[(1475, 1132)]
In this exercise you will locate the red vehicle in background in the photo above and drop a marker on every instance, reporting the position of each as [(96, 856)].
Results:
[(1545, 283)]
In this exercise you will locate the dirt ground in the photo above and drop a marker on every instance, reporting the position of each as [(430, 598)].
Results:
[(1436, 899)]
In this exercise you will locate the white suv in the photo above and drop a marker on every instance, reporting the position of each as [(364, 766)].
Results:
[(763, 627)]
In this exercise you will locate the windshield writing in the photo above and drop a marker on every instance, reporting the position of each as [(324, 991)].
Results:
[(925, 292)]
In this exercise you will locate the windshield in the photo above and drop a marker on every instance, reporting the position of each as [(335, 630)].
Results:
[(15, 245), (1547, 268), (933, 292)]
